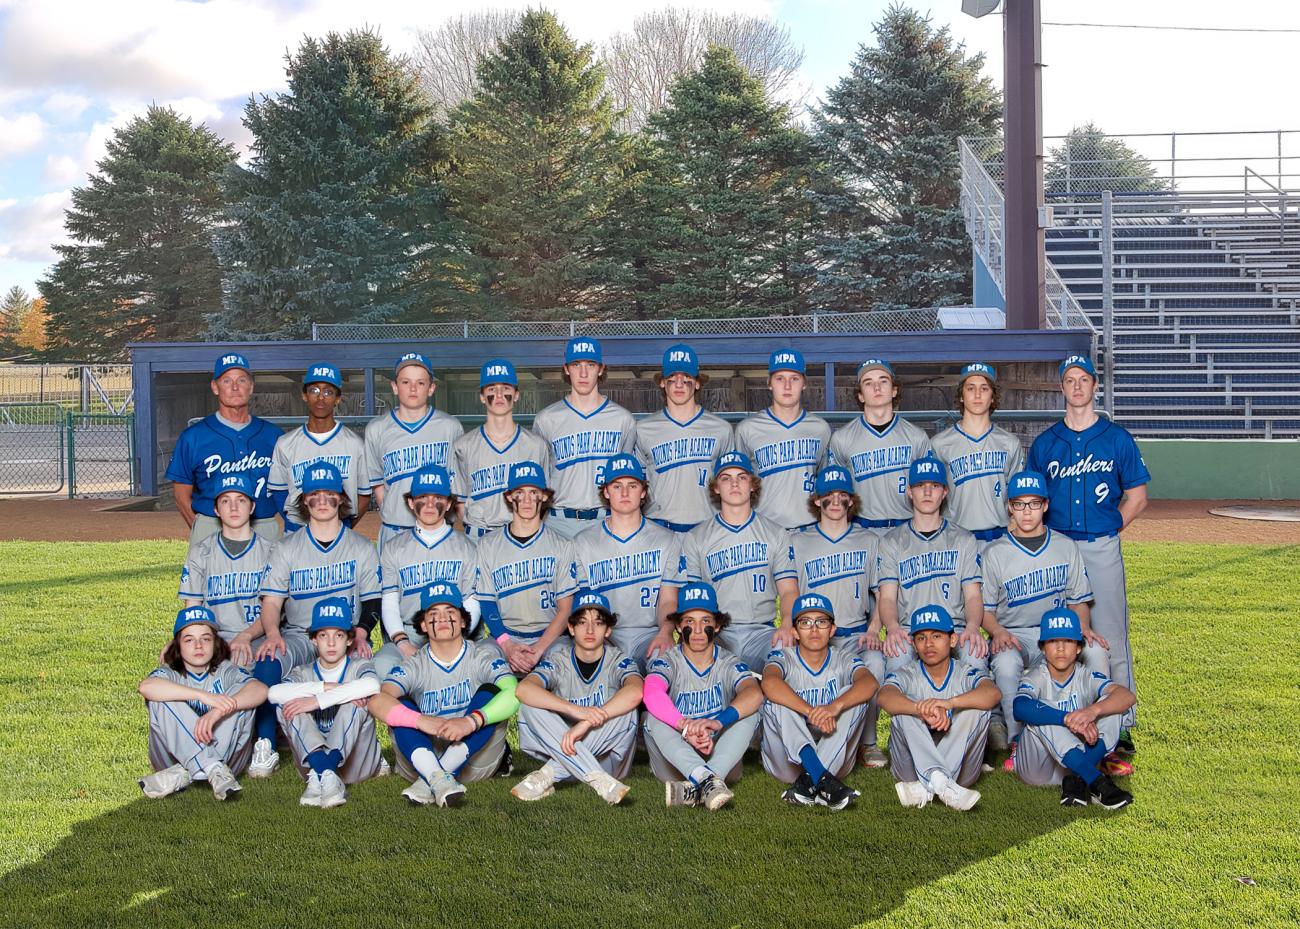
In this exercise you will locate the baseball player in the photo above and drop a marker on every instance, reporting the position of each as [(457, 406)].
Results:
[(200, 710), (980, 456), (748, 559), (321, 438), (405, 439), (815, 710), (481, 459), (878, 447), (444, 705), (1071, 717), (680, 445), (322, 709), (583, 430), (229, 441), (928, 561), (701, 705), (1096, 485), (325, 559), (939, 716), (528, 573), (577, 711), (636, 564), (428, 551), (786, 443)]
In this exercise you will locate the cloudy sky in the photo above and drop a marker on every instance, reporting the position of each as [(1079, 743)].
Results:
[(71, 71)]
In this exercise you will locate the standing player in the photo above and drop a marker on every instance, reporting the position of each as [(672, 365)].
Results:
[(583, 430), (1096, 484), (229, 441), (748, 559), (633, 562), (786, 443), (402, 441), (320, 439), (878, 447), (680, 444), (980, 456), (481, 459)]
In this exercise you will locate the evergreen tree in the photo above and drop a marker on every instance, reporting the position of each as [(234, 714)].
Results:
[(337, 216), (141, 264), (893, 232), (15, 305), (1089, 161)]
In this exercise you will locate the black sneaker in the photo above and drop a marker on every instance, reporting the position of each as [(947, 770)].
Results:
[(1125, 747), (1074, 792), (802, 791), (834, 793), (1105, 793), (507, 765)]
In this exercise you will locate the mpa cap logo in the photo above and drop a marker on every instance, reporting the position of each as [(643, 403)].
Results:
[(230, 360), (1059, 622), (496, 370), (927, 470), (331, 610), (1082, 362), (980, 368), (932, 617), (195, 614), (590, 598), (320, 474), (582, 349), (785, 359), (440, 590)]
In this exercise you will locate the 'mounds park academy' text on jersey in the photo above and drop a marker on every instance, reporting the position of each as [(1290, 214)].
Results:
[(410, 564), (878, 461), (679, 457), (446, 689), (299, 450), (979, 468), (480, 469), (395, 450), (743, 563), (561, 675), (580, 446), (526, 579), (228, 585), (1020, 585), (787, 458), (817, 686), (629, 571), (841, 569), (303, 571), (698, 693), (930, 571)]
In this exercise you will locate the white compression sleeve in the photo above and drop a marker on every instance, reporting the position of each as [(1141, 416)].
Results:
[(391, 613), (352, 690), (283, 693)]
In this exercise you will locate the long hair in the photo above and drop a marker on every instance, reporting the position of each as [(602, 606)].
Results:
[(722, 619), (172, 654)]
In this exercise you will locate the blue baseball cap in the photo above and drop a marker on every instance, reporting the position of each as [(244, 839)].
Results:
[(832, 477), (583, 348), (622, 466), (681, 359), (193, 615), (590, 599), (807, 603), (431, 479), (733, 460), (412, 358), (331, 613), (980, 368), (497, 371), (930, 617), (697, 596), (874, 364), (323, 373), (785, 359), (441, 592), (1082, 362), (526, 474), (1027, 484), (230, 360), (238, 483), (1060, 623), (925, 469), (322, 475)]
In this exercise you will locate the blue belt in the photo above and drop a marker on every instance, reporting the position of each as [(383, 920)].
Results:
[(675, 527), (878, 523), (579, 514), (395, 527), (851, 630), (989, 535), (291, 527), (1088, 536), (476, 531)]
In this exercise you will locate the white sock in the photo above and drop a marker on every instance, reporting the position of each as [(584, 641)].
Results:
[(425, 762), (701, 773), (454, 757)]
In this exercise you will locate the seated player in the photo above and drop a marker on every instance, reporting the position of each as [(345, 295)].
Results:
[(1071, 718), (444, 705), (200, 710), (322, 708), (577, 711), (702, 704), (939, 716), (813, 719)]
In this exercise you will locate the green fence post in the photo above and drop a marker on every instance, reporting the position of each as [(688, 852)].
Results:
[(130, 453), (72, 456)]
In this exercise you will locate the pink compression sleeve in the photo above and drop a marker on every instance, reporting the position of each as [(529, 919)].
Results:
[(402, 715), (658, 702)]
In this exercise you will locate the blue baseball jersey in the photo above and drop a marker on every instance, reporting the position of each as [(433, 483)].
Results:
[(1087, 473), (209, 450)]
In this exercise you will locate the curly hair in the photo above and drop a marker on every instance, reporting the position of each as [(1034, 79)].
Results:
[(855, 506), (755, 489)]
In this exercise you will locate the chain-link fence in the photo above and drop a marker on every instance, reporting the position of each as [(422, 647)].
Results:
[(101, 454), (32, 455), (84, 388)]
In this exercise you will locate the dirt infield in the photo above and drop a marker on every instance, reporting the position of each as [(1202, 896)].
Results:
[(59, 520)]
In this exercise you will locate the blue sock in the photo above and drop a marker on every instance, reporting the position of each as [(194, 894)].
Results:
[(1083, 762), (811, 763), (269, 673), (318, 761), (333, 759)]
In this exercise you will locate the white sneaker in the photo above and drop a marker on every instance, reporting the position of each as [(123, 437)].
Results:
[(311, 796), (872, 757), (447, 791), (538, 785), (265, 760), (611, 791), (419, 793), (222, 781), (951, 793), (332, 791), (166, 782), (913, 793)]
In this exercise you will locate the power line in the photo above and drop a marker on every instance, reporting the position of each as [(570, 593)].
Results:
[(1175, 28)]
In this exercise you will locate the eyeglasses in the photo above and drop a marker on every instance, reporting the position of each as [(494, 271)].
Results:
[(811, 622), (316, 390), (1021, 505)]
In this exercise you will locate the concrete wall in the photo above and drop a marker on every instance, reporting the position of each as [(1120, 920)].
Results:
[(1204, 469)]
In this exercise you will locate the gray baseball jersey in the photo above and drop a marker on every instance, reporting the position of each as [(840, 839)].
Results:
[(229, 585), (820, 686), (225, 678), (560, 675), (698, 693), (409, 565), (298, 450), (352, 670), (303, 571), (446, 690), (630, 571), (480, 469), (679, 458), (917, 685), (787, 458), (580, 446), (979, 468), (878, 462), (929, 571), (525, 579), (1020, 585), (743, 563), (1084, 687), (396, 450), (842, 569)]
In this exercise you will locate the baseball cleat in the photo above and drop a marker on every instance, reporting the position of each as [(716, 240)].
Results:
[(912, 794), (419, 792), (872, 757), (951, 794), (1125, 747), (332, 791), (1074, 792), (166, 782), (1104, 792), (538, 785), (222, 781), (447, 791), (507, 765), (714, 793), (834, 793), (384, 768), (802, 792), (265, 760), (1115, 766), (1009, 763), (311, 796), (681, 793), (998, 736), (611, 791)]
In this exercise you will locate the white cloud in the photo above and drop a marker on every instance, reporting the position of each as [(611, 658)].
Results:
[(28, 228), (20, 133), (61, 170), (65, 107)]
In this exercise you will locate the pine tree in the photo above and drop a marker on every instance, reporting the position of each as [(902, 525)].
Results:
[(16, 303), (893, 231), (141, 264), (337, 216), (1089, 161)]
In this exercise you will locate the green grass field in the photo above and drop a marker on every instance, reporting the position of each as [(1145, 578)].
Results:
[(1217, 793)]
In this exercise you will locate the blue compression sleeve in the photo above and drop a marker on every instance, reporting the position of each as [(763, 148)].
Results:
[(1036, 713), (491, 617)]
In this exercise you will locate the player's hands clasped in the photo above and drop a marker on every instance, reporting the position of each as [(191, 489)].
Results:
[(822, 718), (935, 714), (298, 706), (593, 716)]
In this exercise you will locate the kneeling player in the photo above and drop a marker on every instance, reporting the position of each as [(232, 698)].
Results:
[(200, 710), (702, 702), (813, 720), (1071, 718), (322, 708), (595, 685), (444, 703), (939, 708)]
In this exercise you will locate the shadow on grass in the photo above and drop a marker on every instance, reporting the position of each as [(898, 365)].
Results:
[(1211, 562), (54, 581)]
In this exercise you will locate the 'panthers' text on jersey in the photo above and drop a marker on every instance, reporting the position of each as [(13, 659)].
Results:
[(1087, 473)]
